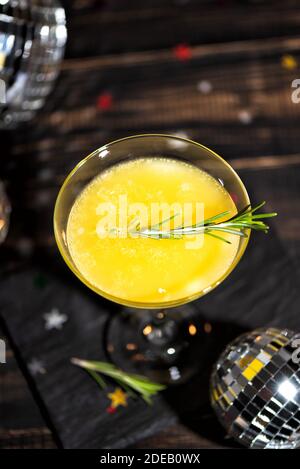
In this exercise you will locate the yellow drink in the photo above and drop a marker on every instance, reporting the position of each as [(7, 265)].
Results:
[(145, 271)]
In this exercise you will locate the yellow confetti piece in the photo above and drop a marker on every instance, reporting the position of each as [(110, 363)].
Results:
[(118, 397), (289, 62)]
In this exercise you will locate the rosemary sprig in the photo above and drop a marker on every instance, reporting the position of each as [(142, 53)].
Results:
[(245, 219), (132, 384)]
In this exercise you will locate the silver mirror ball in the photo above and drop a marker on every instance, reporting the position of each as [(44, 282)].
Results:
[(255, 389), (32, 41)]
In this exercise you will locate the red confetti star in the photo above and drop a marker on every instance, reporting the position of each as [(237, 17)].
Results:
[(111, 410), (183, 52), (104, 101)]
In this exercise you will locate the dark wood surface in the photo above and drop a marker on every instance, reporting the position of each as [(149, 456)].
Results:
[(126, 49)]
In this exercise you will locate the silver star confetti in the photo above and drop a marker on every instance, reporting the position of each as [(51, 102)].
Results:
[(36, 367), (204, 86), (245, 117), (179, 144), (54, 319), (181, 134)]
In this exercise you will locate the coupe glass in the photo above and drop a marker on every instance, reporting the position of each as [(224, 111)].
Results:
[(157, 340)]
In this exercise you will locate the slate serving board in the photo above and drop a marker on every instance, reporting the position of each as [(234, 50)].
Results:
[(261, 291), (76, 406)]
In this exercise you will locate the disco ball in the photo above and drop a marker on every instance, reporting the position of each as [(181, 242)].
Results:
[(255, 389), (4, 213), (32, 40)]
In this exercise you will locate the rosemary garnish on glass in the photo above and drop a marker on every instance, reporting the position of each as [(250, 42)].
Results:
[(245, 219), (132, 384)]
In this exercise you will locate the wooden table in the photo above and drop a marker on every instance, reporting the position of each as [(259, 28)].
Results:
[(217, 72)]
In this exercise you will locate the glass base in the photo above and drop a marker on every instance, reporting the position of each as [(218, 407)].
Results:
[(168, 346)]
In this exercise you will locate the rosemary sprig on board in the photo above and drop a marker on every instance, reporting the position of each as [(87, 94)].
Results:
[(132, 384), (245, 219)]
